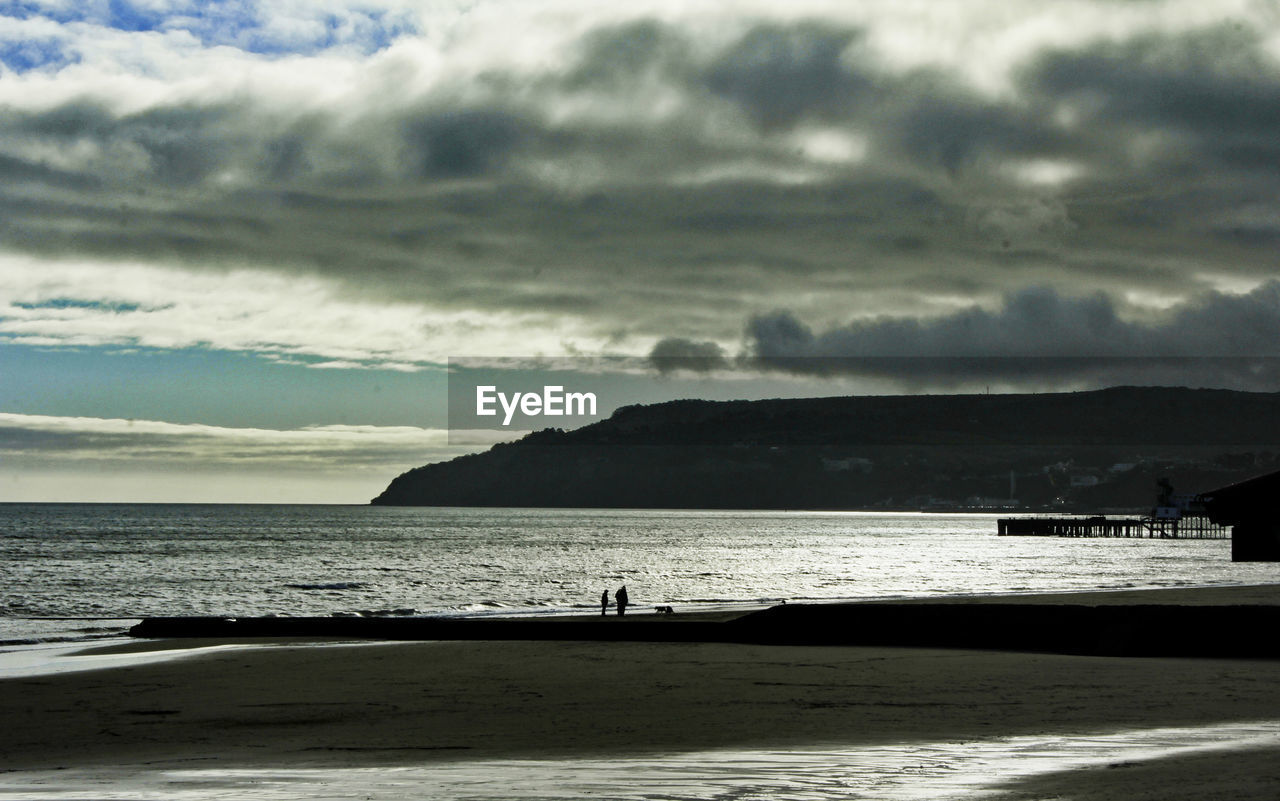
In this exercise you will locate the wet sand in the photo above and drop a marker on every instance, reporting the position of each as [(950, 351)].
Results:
[(417, 703)]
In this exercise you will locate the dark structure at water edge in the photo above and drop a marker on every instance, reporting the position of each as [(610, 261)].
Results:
[(1250, 508), (998, 624), (1096, 526), (1175, 516), (1246, 512)]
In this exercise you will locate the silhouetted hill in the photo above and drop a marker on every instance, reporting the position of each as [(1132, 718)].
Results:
[(1083, 449)]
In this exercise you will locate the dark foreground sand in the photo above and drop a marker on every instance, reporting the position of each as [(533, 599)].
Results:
[(411, 703)]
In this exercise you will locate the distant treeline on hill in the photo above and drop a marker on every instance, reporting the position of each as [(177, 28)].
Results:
[(1090, 451)]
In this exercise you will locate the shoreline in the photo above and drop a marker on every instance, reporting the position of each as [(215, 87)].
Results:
[(405, 704), (25, 658), (1206, 594)]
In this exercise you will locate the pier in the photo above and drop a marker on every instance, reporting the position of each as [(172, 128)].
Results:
[(1190, 527)]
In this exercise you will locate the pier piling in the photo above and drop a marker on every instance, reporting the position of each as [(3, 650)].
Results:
[(1191, 527)]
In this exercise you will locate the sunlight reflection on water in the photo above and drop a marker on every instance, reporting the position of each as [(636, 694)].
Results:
[(903, 772), (143, 561)]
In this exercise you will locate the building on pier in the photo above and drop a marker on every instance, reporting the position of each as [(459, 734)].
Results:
[(1176, 516), (1181, 515)]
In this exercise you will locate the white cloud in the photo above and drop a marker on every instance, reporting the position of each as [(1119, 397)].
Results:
[(830, 145), (325, 448), (986, 40), (60, 303), (124, 482), (1045, 172), (48, 459)]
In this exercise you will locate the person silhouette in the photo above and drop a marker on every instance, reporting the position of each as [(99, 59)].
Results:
[(604, 602), (621, 597)]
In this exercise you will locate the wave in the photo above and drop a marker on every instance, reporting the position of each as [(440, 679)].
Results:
[(335, 585), (404, 611)]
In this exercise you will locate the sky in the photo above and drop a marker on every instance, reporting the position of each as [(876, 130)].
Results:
[(241, 242)]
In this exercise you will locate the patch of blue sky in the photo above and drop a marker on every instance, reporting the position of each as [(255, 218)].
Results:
[(221, 388), (365, 30), (257, 27), (36, 54), (33, 9), (74, 303)]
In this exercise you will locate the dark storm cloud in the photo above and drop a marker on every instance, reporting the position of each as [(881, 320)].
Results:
[(614, 57), (462, 144), (1213, 86), (1038, 334), (168, 147), (1041, 322), (659, 184), (17, 171), (949, 127), (783, 73), (673, 354)]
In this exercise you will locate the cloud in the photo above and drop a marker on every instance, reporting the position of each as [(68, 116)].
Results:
[(784, 73), (77, 441), (264, 29), (56, 459), (674, 354), (462, 144), (282, 317), (1039, 335), (597, 179), (1216, 85)]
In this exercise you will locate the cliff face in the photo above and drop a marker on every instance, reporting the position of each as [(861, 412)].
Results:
[(1100, 448)]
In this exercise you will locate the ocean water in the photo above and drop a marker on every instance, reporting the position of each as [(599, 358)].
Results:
[(71, 572)]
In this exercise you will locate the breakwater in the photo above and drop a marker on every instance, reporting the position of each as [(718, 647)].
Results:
[(1128, 630)]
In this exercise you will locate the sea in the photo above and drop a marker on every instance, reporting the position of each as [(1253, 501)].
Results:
[(87, 572), (77, 575)]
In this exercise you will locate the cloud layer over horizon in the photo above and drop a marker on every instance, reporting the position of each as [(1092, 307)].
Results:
[(386, 184), (597, 180)]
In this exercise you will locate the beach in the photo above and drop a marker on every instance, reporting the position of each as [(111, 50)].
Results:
[(334, 706)]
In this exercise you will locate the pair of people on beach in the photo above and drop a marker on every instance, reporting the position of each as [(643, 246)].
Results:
[(620, 597)]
